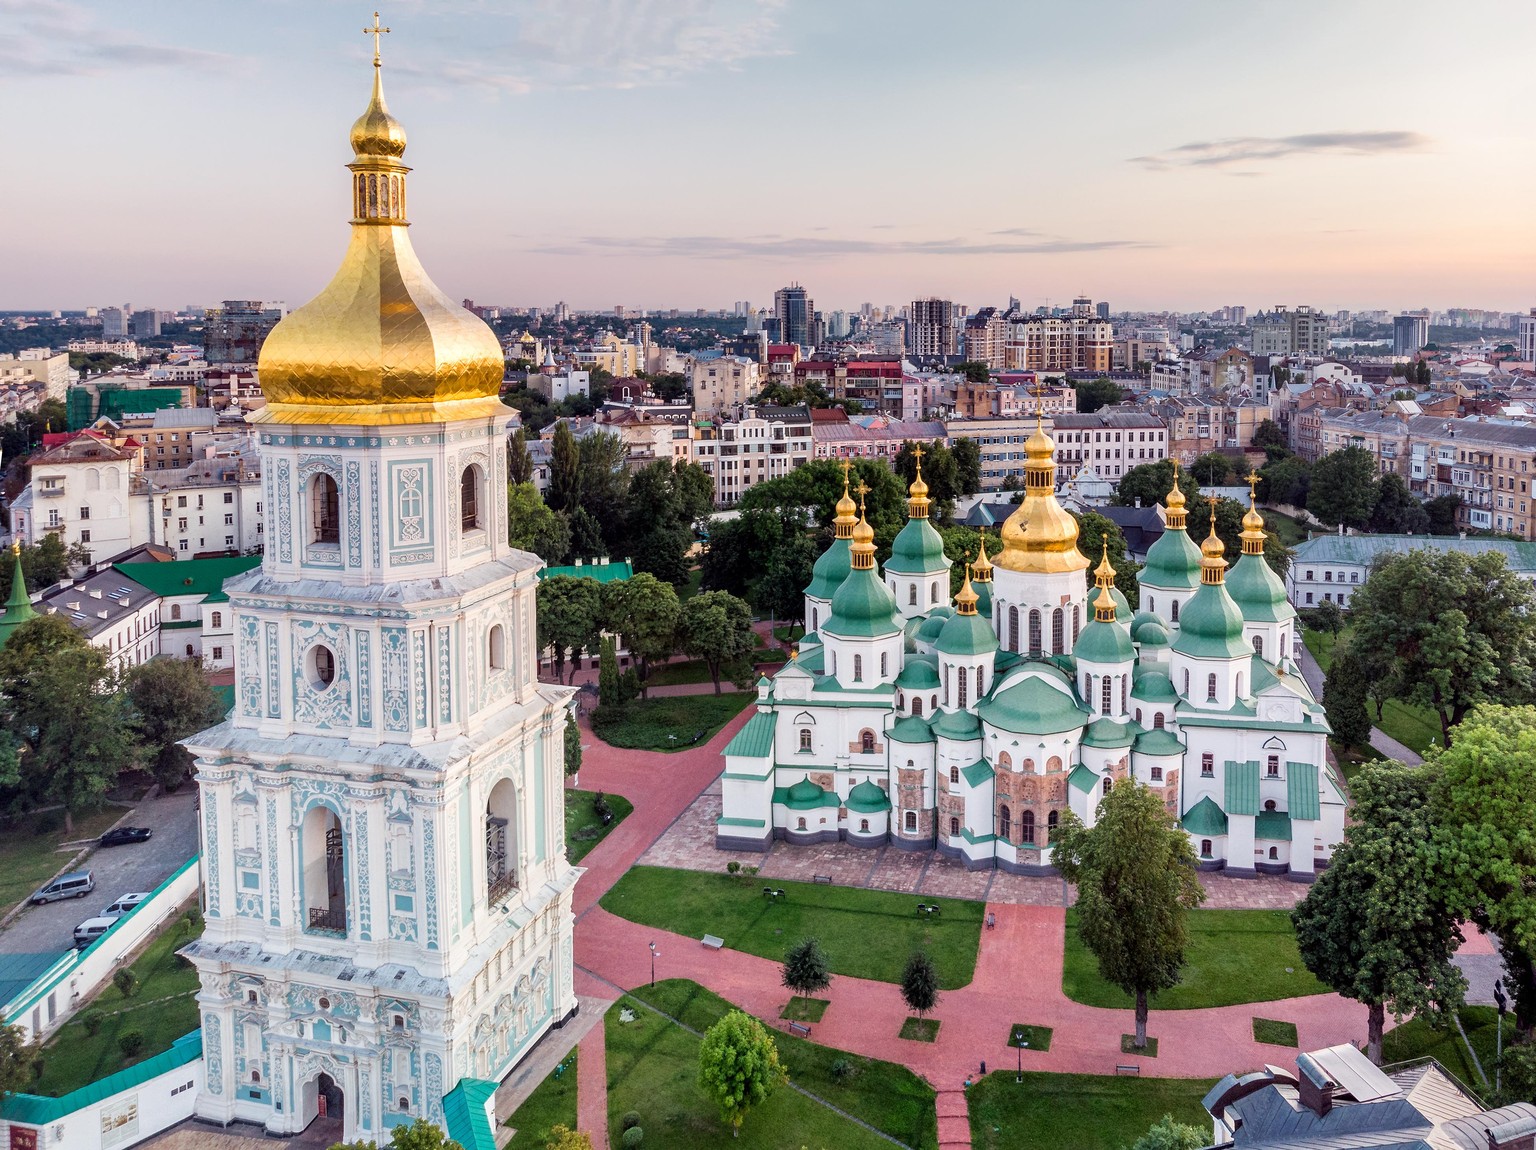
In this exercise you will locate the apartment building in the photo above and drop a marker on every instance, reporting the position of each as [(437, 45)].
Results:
[(114, 613), (1110, 440), (876, 381), (986, 338), (871, 436), (1013, 394), (723, 383), (1061, 343), (1331, 568), (1199, 424), (762, 443), (931, 328), (37, 366), (1284, 332), (1000, 443)]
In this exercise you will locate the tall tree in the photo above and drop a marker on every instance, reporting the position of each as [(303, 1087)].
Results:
[(1344, 487), (1461, 630), (604, 476), (1442, 511), (1286, 481), (1166, 1134), (695, 489), (570, 618), (806, 970), (716, 627), (1134, 870), (1344, 695), (1098, 393), (1376, 926), (171, 699), (967, 464), (608, 673), (1093, 531), (780, 590), (741, 549), (643, 609), (18, 1059), (564, 470), (920, 983), (587, 540), (1213, 469), (657, 528), (1268, 434), (572, 744), (1398, 511), (1484, 842), (1149, 484), (532, 526), (519, 459), (739, 1066)]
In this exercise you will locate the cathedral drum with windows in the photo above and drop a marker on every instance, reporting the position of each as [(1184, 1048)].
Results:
[(972, 728), (388, 902)]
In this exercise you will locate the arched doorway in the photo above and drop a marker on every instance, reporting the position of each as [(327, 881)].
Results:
[(324, 1111), (325, 872)]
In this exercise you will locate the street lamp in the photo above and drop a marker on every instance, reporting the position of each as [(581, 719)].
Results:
[(1503, 1005), (1018, 1043), (653, 963)]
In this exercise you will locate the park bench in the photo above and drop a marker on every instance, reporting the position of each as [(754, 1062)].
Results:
[(1127, 1068), (713, 941), (823, 879), (928, 908), (799, 1028), (773, 892)]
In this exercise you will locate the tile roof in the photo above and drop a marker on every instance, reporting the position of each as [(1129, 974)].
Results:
[(1301, 791), (1242, 788), (1363, 550), (755, 740)]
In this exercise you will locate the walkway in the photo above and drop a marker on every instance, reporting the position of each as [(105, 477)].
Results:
[(1381, 742)]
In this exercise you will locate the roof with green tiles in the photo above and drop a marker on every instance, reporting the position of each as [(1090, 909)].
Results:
[(1033, 706), (918, 550), (918, 672), (35, 1110), (1210, 625), (1158, 741), (1258, 591), (610, 572), (1154, 686), (1108, 733), (1102, 642), (203, 577), (911, 729), (1301, 793), (830, 569), (1273, 826), (465, 1115), (1363, 550), (957, 725), (1083, 779), (867, 797), (966, 635), (755, 740), (804, 796), (1205, 818), (1173, 563), (862, 608), (977, 773), (1242, 788)]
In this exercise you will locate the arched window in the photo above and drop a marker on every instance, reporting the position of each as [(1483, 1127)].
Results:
[(1269, 804), (496, 647), (864, 826), (911, 822), (867, 742), (883, 656), (501, 841), (1175, 611), (1077, 621), (1013, 628), (1151, 605), (805, 738), (1258, 645), (800, 824), (933, 703), (962, 698), (1138, 716), (912, 595), (933, 592), (954, 826), (1051, 819), (1034, 633), (978, 681), (175, 610), (954, 775), (1157, 721), (917, 706), (1004, 823), (834, 663), (325, 872), (858, 668), (218, 620), (1274, 853), (1210, 688), (1124, 688), (1157, 774), (946, 686), (469, 499), (1186, 682), (405, 1104), (1106, 693), (1239, 684), (814, 618), (1108, 782), (1205, 848), (324, 510), (1058, 631), (1027, 828)]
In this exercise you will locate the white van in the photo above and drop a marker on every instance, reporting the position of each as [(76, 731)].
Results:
[(92, 929), (75, 884), (123, 904)]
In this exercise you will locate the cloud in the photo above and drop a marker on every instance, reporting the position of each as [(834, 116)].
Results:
[(50, 38), (811, 247), (1246, 149)]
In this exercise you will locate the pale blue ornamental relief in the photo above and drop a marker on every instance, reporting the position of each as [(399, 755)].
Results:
[(444, 674), (354, 514), (396, 679), (419, 678), (364, 680), (284, 513)]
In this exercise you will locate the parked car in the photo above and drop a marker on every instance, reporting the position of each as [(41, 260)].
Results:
[(75, 884), (122, 835), (123, 903), (92, 929)]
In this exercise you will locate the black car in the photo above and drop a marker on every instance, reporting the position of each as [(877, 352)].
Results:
[(122, 835)]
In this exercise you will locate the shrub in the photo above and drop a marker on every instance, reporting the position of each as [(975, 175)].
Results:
[(633, 1137), (841, 1070), (91, 1020), (130, 1042), (126, 982), (733, 867), (630, 1120), (749, 871)]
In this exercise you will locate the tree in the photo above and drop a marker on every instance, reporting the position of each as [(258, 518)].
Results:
[(1149, 483), (1482, 838), (43, 565), (419, 1135), (562, 1137), (1268, 434), (716, 627), (608, 674), (18, 1059), (1328, 616), (171, 699), (974, 371), (1461, 630), (658, 528), (1098, 393), (587, 540), (1213, 469), (1166, 1134), (1344, 694), (572, 744), (603, 464), (1134, 870), (739, 1066), (940, 473), (532, 526), (570, 617), (1442, 511), (805, 968), (1398, 511), (519, 459), (967, 464), (920, 983), (564, 470), (1285, 481), (1376, 925), (1344, 487), (643, 610), (780, 590)]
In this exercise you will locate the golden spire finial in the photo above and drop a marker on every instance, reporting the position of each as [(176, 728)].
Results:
[(15, 544), (1213, 553), (917, 491), (983, 566), (1253, 522), (863, 546), (1104, 573), (847, 509), (966, 597), (376, 31)]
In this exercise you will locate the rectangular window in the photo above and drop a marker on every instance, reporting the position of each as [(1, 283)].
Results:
[(218, 653), (85, 536), (1207, 765)]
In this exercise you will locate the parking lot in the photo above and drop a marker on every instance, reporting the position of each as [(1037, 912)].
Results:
[(118, 870)]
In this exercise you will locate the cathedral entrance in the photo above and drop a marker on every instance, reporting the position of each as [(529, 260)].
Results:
[(324, 1111)]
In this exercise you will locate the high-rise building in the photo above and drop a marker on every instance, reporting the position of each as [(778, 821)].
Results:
[(1283, 332), (1061, 343), (931, 327), (1528, 337), (1082, 307), (1409, 334), (114, 322), (796, 313), (1101, 309), (235, 332), (145, 324)]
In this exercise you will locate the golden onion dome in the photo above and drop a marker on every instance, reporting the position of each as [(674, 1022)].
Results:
[(847, 510), (1039, 445), (863, 533), (966, 597), (1104, 573), (1176, 496), (381, 344), (981, 570), (1253, 522), (1213, 548), (1040, 537)]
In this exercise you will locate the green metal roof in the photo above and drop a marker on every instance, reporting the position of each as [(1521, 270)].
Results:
[(1258, 592), (1173, 563), (1033, 706), (867, 797), (911, 729), (831, 568), (1108, 733), (1272, 825), (1117, 596), (957, 725), (465, 1115), (1211, 626), (983, 598), (928, 630), (1301, 794), (203, 577), (918, 550), (918, 673), (117, 402), (35, 1110), (1151, 633), (1154, 686), (1364, 549), (977, 773), (19, 971), (603, 572), (755, 740), (804, 796), (862, 608), (1158, 741), (1083, 779), (1104, 643), (1205, 818), (966, 635), (1242, 788)]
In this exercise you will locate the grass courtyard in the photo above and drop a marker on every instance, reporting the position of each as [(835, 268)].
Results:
[(865, 933), (1412, 726), (552, 1103), (668, 722), (29, 858), (1083, 1111), (583, 828), (653, 1070), (1234, 956)]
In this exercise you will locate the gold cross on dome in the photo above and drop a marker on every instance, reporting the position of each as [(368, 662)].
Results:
[(376, 31), (1253, 482), (918, 453), (847, 467)]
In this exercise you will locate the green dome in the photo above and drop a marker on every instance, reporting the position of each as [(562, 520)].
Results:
[(1122, 604), (1258, 592), (1142, 616), (1108, 733), (966, 635), (911, 729), (867, 798), (1158, 741), (804, 795), (1104, 643), (1211, 626), (918, 550), (862, 608), (832, 567), (1173, 563), (1032, 706), (1152, 633), (1154, 687), (957, 725), (928, 630), (918, 673)]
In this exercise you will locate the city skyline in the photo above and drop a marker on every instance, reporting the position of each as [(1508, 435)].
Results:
[(651, 154)]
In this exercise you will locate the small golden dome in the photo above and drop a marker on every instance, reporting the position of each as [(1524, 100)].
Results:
[(863, 533), (1104, 573), (982, 568), (966, 598), (1213, 548), (376, 132), (1039, 445), (847, 510), (1176, 496), (1253, 523)]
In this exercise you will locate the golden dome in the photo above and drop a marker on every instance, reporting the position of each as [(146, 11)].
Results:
[(1253, 522), (1104, 573), (863, 545), (381, 344), (847, 510), (1176, 496), (966, 598), (1039, 445), (1040, 537), (982, 568), (1213, 553), (863, 534)]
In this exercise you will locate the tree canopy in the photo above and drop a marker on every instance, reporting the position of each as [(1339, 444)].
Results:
[(533, 526), (1344, 695), (739, 1066), (644, 610), (1398, 511), (1344, 488), (1149, 483), (569, 618), (1166, 1134), (716, 626), (806, 970), (1268, 434), (920, 983), (1097, 393), (171, 699)]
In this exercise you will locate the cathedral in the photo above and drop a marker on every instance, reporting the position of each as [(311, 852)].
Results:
[(970, 728), (388, 902)]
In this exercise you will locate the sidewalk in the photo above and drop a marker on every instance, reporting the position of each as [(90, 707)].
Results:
[(1380, 740)]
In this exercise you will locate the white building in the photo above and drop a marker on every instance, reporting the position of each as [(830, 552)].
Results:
[(1331, 568), (764, 443), (112, 611), (388, 902), (723, 383)]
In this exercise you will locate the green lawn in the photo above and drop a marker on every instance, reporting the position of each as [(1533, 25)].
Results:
[(1234, 956), (691, 588), (552, 1103), (1083, 1111), (28, 859), (668, 723), (1416, 1039), (1274, 1032), (163, 1009), (583, 829), (865, 933), (1288, 528), (919, 1030), (1414, 727), (888, 1097), (1037, 1038)]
